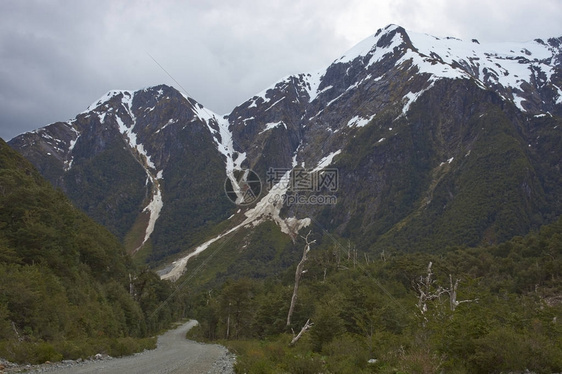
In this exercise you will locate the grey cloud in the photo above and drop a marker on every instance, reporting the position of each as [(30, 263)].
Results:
[(58, 57)]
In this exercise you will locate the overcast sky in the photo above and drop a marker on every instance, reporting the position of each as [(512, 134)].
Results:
[(58, 57)]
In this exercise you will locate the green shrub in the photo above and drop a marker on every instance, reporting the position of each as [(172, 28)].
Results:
[(29, 353), (304, 364), (46, 352), (505, 349), (347, 354)]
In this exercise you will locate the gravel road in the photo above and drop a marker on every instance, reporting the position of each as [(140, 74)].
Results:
[(174, 354)]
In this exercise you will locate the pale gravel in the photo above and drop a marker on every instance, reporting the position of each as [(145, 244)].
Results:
[(174, 354)]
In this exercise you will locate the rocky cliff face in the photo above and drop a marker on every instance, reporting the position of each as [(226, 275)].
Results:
[(432, 142), (116, 159)]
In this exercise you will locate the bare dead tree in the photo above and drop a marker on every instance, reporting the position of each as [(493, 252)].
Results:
[(296, 338), (428, 290), (454, 303), (298, 273)]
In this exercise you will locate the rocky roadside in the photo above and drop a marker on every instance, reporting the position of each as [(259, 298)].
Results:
[(224, 365), (10, 367)]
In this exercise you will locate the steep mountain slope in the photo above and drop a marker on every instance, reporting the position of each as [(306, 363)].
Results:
[(408, 141), (437, 147), (115, 159), (67, 288)]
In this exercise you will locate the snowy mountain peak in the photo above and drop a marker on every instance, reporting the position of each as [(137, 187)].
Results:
[(516, 70), (375, 46), (107, 97)]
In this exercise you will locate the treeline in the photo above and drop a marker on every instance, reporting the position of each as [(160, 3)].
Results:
[(467, 310), (67, 287)]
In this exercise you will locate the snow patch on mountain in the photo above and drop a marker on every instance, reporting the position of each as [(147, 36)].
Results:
[(155, 205), (219, 127), (171, 121), (69, 157), (131, 138), (379, 53), (272, 125), (326, 161), (177, 268), (360, 49), (559, 98), (268, 208), (359, 121), (73, 142), (127, 101), (411, 98), (312, 82), (153, 208), (275, 103)]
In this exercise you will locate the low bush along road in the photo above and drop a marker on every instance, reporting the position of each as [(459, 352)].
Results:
[(174, 354)]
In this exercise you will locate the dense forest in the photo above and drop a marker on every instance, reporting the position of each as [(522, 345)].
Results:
[(68, 290), (487, 309)]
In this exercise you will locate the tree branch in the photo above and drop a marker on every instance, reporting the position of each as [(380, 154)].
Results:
[(300, 270), (296, 338)]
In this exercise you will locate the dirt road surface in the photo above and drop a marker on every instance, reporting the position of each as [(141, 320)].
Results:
[(174, 354)]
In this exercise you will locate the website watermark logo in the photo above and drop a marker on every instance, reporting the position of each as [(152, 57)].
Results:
[(243, 187), (289, 186), (298, 199), (303, 180)]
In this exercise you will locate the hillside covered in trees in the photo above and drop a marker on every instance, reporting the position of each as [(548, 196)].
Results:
[(67, 287), (488, 309)]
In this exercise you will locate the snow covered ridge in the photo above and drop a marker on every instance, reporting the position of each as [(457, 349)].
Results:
[(510, 65), (510, 61), (107, 97)]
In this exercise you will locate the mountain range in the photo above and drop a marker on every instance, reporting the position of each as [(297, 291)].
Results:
[(408, 142)]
